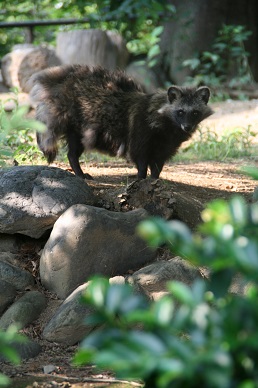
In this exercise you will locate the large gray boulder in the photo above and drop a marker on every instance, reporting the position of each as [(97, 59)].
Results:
[(33, 197), (87, 240)]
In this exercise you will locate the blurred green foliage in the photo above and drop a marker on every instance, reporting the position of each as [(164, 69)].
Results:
[(227, 62), (210, 340), (136, 20), (17, 135), (7, 350)]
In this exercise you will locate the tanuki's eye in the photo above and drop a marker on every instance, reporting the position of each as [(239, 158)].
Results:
[(195, 113), (180, 112)]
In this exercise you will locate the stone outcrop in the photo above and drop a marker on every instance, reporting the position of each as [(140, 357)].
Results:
[(32, 198), (87, 240)]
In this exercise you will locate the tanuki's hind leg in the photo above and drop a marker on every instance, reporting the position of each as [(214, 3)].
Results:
[(75, 149)]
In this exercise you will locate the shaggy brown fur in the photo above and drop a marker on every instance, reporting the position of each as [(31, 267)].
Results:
[(93, 108)]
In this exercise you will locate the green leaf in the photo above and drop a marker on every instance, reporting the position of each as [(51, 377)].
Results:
[(121, 299), (148, 341), (83, 356), (246, 256), (163, 311), (238, 210), (254, 212), (251, 171), (116, 296), (181, 292), (95, 292), (10, 354), (199, 289), (192, 63), (4, 380), (170, 369), (220, 282), (157, 31), (133, 303), (154, 231)]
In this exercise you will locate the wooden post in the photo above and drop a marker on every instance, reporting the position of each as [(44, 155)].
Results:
[(29, 34)]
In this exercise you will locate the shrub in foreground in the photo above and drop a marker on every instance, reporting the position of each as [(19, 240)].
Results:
[(211, 339)]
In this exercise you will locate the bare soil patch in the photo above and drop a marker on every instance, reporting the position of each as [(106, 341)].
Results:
[(202, 180)]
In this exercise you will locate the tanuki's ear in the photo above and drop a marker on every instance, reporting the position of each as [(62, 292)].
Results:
[(174, 93), (204, 93)]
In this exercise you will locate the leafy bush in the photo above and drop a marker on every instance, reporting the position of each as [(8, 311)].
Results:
[(16, 139), (137, 20), (211, 339), (227, 62)]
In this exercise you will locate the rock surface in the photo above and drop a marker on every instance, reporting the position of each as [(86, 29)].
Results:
[(7, 294), (27, 349), (24, 311), (23, 252), (68, 324), (152, 279), (33, 197), (10, 64), (19, 278), (160, 200), (144, 75), (39, 58), (18, 65), (92, 47), (8, 243), (87, 240)]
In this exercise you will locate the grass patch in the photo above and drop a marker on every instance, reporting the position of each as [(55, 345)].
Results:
[(210, 145), (17, 136)]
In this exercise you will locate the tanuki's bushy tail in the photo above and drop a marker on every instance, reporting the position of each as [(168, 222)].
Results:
[(48, 145), (47, 140)]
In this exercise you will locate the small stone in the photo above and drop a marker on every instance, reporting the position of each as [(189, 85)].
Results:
[(49, 369)]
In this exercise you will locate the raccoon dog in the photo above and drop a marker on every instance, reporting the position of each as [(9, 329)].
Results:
[(93, 108)]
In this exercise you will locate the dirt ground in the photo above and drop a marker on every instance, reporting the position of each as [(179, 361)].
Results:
[(204, 181)]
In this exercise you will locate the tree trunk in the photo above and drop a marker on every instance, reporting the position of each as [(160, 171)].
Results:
[(195, 27)]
